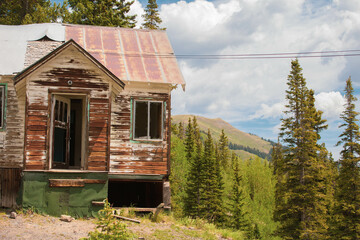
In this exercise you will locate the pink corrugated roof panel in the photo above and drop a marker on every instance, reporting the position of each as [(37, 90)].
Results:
[(131, 54)]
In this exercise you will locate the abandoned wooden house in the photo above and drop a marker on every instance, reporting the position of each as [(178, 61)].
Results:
[(84, 116)]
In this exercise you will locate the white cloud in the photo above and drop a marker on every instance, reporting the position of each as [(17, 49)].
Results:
[(262, 26), (266, 111), (331, 103), (137, 8), (199, 19), (248, 90)]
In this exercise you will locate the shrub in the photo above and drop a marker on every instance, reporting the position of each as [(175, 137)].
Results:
[(110, 228)]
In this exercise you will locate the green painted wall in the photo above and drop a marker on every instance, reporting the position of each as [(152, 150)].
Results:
[(74, 201)]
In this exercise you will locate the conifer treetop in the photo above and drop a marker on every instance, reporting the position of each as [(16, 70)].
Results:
[(151, 17)]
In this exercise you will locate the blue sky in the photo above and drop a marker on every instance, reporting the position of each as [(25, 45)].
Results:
[(250, 94)]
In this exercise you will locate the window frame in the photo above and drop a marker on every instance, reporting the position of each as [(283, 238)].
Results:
[(162, 120), (4, 105)]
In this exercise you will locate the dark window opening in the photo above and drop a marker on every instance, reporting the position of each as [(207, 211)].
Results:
[(148, 120), (135, 194), (141, 120)]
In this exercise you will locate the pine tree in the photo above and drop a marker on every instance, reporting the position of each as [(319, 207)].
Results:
[(15, 12), (151, 16), (194, 184), (211, 198), (112, 13), (277, 161), (239, 219), (303, 212), (223, 150), (189, 140), (181, 130), (347, 206)]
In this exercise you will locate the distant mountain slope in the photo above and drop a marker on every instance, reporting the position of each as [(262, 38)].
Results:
[(234, 135)]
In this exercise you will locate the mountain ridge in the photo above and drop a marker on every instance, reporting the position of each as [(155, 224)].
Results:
[(235, 136)]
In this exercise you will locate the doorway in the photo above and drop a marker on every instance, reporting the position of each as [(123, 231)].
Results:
[(68, 120)]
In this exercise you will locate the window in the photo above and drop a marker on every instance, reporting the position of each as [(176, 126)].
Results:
[(2, 105), (148, 122)]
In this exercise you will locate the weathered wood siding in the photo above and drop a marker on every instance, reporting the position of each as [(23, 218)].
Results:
[(137, 157), (12, 136), (53, 78), (10, 179)]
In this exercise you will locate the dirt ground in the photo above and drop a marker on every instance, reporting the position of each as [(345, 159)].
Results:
[(34, 226)]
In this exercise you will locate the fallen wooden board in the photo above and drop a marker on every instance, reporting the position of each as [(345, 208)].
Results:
[(127, 219)]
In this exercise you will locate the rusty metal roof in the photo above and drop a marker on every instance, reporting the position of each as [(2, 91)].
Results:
[(131, 54)]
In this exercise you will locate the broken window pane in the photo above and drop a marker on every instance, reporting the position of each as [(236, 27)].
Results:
[(155, 120), (141, 119)]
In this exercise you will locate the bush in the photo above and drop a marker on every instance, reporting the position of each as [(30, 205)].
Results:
[(110, 228)]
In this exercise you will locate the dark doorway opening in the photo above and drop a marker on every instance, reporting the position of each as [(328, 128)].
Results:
[(75, 132), (68, 121), (135, 194)]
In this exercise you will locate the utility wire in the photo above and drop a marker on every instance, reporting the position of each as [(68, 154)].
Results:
[(324, 54)]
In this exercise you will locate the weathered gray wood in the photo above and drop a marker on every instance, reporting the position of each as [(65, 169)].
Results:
[(137, 157), (127, 219), (98, 203), (52, 78), (12, 138)]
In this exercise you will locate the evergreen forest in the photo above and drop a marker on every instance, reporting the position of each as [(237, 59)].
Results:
[(300, 192), (113, 13)]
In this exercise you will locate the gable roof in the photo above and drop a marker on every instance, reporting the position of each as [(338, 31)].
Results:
[(130, 54), (58, 50)]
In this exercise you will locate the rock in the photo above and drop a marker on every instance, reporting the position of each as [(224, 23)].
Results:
[(66, 218), (13, 215)]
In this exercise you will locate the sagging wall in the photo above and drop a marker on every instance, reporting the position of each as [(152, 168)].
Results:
[(57, 199), (12, 135), (53, 78), (135, 157)]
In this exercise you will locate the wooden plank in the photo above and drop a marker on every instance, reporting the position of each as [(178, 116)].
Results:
[(97, 163), (144, 167), (37, 117), (37, 107), (97, 203), (94, 181), (99, 100), (127, 219), (96, 168), (66, 183), (34, 167)]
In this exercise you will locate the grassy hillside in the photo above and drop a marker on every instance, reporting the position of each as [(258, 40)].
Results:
[(235, 136)]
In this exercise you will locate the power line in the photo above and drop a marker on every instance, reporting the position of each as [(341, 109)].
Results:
[(322, 54)]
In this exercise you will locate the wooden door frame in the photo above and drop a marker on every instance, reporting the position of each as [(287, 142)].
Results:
[(84, 95)]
